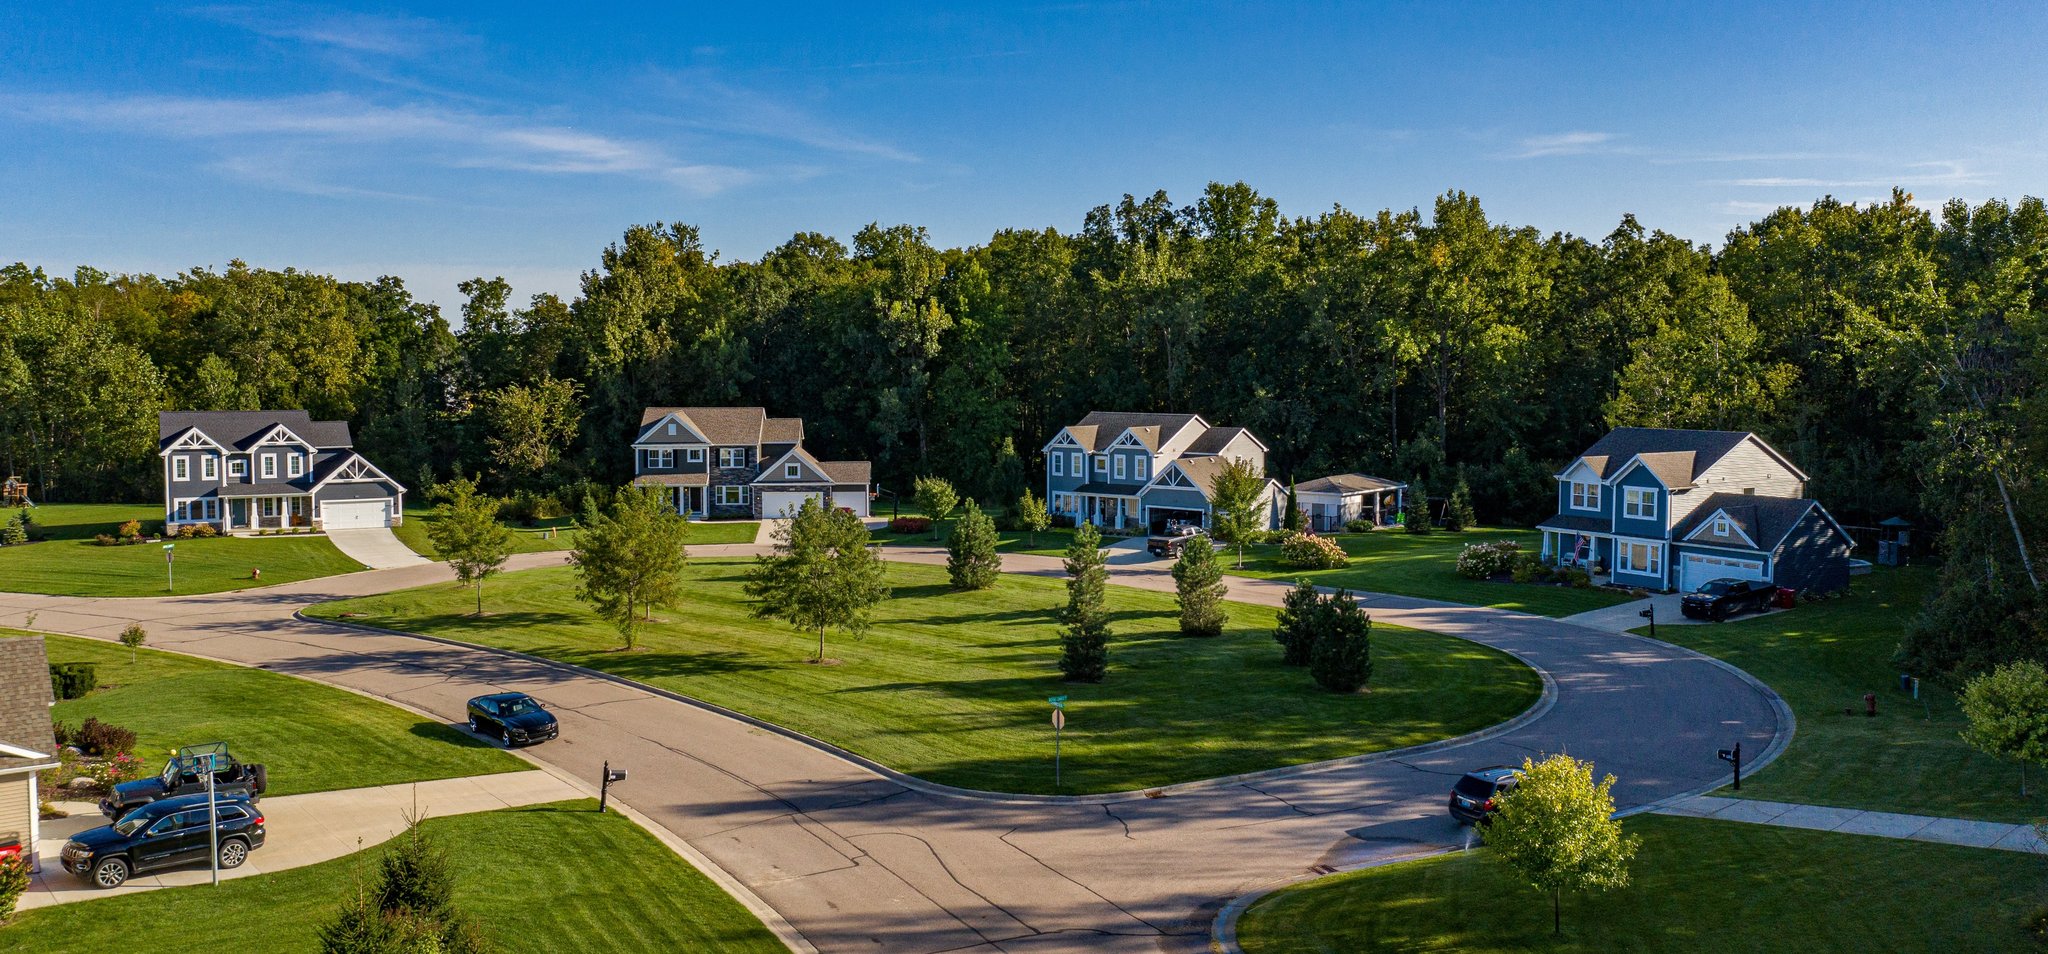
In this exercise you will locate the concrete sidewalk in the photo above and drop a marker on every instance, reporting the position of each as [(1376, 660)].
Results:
[(304, 829), (377, 548), (1850, 821)]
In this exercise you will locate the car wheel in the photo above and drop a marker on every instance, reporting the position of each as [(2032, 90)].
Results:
[(472, 726), (110, 873), (505, 736), (233, 852)]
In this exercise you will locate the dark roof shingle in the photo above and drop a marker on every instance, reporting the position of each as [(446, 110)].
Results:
[(241, 429), (1764, 520), (1612, 452), (25, 699)]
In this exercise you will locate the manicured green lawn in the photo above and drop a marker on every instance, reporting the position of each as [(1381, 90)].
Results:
[(80, 568), (313, 737), (1424, 565), (542, 879), (952, 686), (1052, 542), (557, 534), (63, 521), (1822, 657), (1698, 885)]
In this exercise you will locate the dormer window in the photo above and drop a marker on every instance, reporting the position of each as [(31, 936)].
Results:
[(792, 471), (1639, 503), (1585, 496), (181, 468), (1721, 527)]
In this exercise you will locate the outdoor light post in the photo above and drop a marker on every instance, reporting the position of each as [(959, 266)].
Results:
[(212, 823), (170, 576)]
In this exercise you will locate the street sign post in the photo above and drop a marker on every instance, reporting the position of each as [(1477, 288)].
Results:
[(212, 818), (1059, 727), (170, 576), (1734, 758)]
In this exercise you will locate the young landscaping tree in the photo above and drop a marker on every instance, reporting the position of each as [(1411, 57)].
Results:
[(1237, 505), (1084, 624), (1557, 831), (1032, 517), (1458, 515), (971, 557), (2008, 712), (410, 906), (133, 637), (630, 558), (936, 497), (1296, 633), (1291, 520), (822, 574), (1198, 586), (1415, 509), (1341, 658), (467, 534)]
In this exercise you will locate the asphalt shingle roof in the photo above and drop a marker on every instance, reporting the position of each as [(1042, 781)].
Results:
[(1612, 452), (1108, 425), (25, 700), (1346, 484), (241, 429), (719, 425), (1765, 520)]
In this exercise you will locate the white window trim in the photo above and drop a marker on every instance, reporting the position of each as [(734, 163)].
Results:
[(1120, 467), (1721, 525), (792, 471), (695, 455), (266, 506), (1059, 465), (295, 465), (1653, 557), (732, 495), (1138, 466), (238, 467), (209, 468), (1585, 495), (1639, 503), (181, 468), (661, 459), (269, 469), (736, 456), (1101, 464), (671, 428), (1079, 469)]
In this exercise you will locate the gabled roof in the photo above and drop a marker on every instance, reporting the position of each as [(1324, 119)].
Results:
[(809, 470), (782, 430), (1765, 520), (25, 702), (718, 425), (1347, 484), (351, 467), (1215, 439), (1673, 468), (1200, 471), (1614, 451), (1108, 425), (847, 471), (242, 429)]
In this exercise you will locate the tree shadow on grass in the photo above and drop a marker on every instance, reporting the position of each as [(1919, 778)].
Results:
[(443, 732)]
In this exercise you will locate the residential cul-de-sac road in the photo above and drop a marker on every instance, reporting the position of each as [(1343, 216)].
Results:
[(856, 859)]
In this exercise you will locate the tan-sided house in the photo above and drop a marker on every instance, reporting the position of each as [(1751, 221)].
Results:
[(27, 744)]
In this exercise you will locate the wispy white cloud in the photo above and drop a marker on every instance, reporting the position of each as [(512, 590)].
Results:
[(720, 106), (348, 30), (1942, 172), (1576, 143)]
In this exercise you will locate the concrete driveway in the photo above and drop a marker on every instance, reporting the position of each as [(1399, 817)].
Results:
[(1628, 616), (377, 548), (859, 858)]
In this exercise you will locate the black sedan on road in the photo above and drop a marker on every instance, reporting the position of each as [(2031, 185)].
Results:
[(1477, 796), (514, 717), (1719, 599), (164, 834)]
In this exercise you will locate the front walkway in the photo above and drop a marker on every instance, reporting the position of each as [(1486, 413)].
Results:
[(305, 829), (1850, 821), (377, 548)]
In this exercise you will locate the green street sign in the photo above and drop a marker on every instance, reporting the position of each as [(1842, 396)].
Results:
[(169, 545), (1058, 702)]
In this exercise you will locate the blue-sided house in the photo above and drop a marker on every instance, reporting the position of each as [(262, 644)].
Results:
[(1132, 471), (1672, 509)]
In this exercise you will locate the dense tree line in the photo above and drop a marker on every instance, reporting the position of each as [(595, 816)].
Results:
[(1891, 352)]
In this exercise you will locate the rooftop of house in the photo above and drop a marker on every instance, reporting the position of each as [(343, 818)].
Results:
[(1764, 520), (730, 425), (240, 430), (25, 700), (1677, 457), (1347, 484)]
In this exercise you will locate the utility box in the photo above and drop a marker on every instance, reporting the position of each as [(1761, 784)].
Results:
[(1895, 541)]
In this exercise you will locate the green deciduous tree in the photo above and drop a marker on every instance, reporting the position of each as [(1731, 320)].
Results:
[(1084, 623), (971, 558), (1237, 502), (466, 533), (133, 637), (630, 558), (822, 574), (527, 425), (936, 497), (1199, 589), (1557, 831), (2008, 712), (1032, 517), (1341, 657)]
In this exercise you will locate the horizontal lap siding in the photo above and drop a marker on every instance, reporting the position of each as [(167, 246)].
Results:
[(1814, 556)]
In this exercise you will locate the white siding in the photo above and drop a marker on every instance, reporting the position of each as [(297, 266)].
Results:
[(1242, 447)]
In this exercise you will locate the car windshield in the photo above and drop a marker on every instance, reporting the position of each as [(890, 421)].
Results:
[(133, 823), (1715, 588), (1472, 786), (519, 706)]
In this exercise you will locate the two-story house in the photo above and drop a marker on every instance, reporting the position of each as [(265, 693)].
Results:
[(738, 462), (1130, 471), (1672, 509), (244, 471)]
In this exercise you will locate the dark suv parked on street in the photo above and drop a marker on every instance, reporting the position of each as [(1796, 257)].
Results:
[(164, 834), (1477, 796), (1719, 599), (514, 717)]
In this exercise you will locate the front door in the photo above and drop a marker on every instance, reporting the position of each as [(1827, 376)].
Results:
[(238, 513)]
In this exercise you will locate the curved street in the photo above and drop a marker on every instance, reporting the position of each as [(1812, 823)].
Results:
[(857, 860)]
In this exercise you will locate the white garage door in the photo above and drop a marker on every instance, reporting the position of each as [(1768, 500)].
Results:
[(1699, 569), (856, 502), (782, 503), (355, 514)]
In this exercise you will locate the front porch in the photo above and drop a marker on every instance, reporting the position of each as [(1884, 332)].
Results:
[(244, 514), (688, 494), (1108, 511)]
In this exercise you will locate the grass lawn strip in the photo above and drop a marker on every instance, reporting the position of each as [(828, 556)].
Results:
[(70, 564), (540, 879), (951, 686), (1822, 657), (557, 534), (1698, 885), (314, 738), (1425, 566)]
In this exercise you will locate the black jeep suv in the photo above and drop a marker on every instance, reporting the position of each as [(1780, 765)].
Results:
[(165, 833), (185, 774)]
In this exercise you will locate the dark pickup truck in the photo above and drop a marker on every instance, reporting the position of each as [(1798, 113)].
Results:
[(1168, 541), (185, 774), (1719, 599)]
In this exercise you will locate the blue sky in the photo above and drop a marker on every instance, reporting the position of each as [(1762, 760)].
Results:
[(450, 140)]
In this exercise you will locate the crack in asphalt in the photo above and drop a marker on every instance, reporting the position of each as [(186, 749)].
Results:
[(1111, 812)]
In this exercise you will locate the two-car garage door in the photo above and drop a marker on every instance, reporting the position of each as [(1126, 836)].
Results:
[(777, 503), (355, 514), (1700, 568)]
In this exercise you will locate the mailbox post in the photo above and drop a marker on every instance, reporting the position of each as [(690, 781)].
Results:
[(1734, 758), (604, 787), (1651, 615)]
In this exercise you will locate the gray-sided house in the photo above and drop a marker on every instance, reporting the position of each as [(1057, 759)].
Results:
[(27, 744), (1331, 502), (739, 462), (1132, 471), (244, 471), (1673, 509)]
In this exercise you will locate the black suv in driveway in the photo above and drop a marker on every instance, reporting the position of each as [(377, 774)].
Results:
[(1477, 796), (514, 717), (1719, 599), (164, 834)]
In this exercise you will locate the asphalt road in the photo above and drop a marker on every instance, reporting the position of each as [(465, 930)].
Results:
[(857, 860)]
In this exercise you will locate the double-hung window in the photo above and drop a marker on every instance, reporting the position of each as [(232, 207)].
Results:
[(732, 457), (1075, 460), (181, 468), (661, 459), (1138, 468), (1059, 465), (209, 467), (269, 468), (1585, 496), (269, 506), (295, 464), (1642, 558), (1120, 470), (1639, 502), (694, 455), (238, 467)]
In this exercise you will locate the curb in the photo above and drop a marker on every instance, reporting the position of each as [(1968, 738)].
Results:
[(1535, 711), (1223, 930)]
